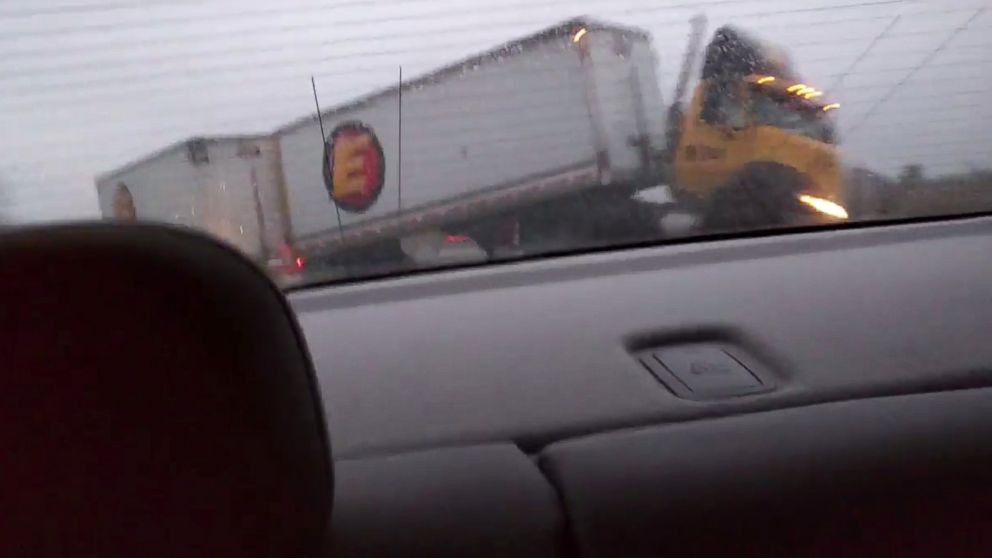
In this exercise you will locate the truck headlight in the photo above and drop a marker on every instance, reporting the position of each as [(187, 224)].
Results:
[(824, 206)]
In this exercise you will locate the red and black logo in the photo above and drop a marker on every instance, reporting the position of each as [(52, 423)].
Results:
[(354, 167)]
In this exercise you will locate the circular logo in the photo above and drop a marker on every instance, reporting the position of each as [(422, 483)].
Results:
[(354, 167), (124, 209)]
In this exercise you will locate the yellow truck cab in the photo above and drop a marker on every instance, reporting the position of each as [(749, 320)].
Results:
[(757, 145)]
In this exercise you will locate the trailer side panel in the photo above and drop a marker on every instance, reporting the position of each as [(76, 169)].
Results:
[(162, 189), (500, 122), (623, 67), (226, 188)]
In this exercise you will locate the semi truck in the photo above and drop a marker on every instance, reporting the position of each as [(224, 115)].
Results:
[(756, 144), (506, 147), (541, 143), (226, 186)]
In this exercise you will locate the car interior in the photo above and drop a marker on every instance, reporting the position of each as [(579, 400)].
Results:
[(823, 392)]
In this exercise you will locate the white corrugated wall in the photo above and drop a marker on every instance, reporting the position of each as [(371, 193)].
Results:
[(501, 122)]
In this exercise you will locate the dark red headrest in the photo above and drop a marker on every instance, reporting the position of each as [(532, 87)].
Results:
[(156, 399)]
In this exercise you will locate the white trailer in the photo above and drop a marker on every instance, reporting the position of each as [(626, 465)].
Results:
[(515, 133), (228, 187), (574, 107)]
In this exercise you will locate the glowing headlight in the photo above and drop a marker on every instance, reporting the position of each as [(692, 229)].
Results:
[(825, 207)]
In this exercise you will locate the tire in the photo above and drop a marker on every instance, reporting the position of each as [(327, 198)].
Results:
[(761, 197)]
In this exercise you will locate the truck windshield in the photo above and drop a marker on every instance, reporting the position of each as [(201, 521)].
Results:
[(338, 140), (791, 114)]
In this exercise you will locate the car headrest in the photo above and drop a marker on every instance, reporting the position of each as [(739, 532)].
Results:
[(156, 399)]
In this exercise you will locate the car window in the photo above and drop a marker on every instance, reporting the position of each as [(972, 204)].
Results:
[(723, 105), (334, 140), (792, 114)]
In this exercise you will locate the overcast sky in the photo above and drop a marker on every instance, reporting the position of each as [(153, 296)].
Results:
[(89, 85)]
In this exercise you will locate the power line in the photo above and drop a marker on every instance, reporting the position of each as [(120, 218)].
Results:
[(252, 66), (428, 15), (957, 64), (116, 64), (340, 40), (36, 102), (940, 48), (953, 64), (89, 8), (890, 37), (864, 53), (942, 95), (280, 10), (941, 110), (115, 46), (838, 57), (902, 125), (224, 17), (255, 65), (137, 5)]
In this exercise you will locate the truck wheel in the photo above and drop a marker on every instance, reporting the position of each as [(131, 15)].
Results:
[(761, 198)]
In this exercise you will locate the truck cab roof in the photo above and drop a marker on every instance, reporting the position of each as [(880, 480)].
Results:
[(733, 54)]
